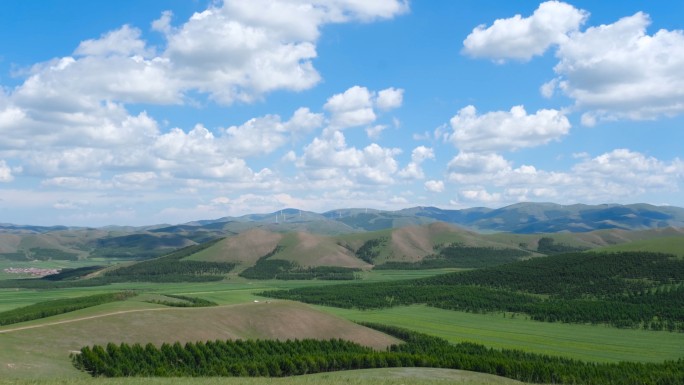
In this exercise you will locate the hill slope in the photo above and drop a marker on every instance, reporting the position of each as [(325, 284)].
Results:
[(44, 351)]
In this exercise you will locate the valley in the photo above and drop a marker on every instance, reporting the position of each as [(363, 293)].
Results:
[(496, 290)]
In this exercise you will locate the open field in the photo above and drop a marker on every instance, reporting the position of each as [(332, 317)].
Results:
[(394, 376), (231, 291), (585, 342)]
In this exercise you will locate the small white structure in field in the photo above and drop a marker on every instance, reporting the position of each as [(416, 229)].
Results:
[(256, 301)]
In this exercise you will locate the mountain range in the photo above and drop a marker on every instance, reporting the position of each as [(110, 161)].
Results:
[(22, 242)]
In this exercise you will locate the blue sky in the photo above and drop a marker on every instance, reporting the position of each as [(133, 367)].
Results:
[(150, 112)]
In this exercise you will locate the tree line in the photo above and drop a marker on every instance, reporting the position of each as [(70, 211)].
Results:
[(267, 268), (631, 289), (459, 256), (184, 301), (270, 358), (59, 306)]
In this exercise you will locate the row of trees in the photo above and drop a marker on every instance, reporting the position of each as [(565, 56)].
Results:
[(288, 358), (172, 268), (184, 301), (622, 289), (59, 306), (578, 275), (267, 268), (459, 256)]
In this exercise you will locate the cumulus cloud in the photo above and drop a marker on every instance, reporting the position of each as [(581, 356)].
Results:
[(618, 71), (232, 51), (390, 98), (611, 71), (242, 50), (353, 107), (480, 195), (466, 165), (331, 159), (617, 175), (506, 130), (628, 172), (522, 38), (414, 170), (5, 172), (263, 135), (356, 106), (435, 186), (124, 41)]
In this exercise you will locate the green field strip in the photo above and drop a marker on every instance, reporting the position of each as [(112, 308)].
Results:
[(586, 342)]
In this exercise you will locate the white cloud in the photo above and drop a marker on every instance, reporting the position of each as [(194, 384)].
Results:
[(480, 195), (506, 130), (264, 135), (232, 51), (522, 38), (618, 175), (466, 165), (375, 131), (77, 183), (618, 71), (435, 186), (136, 180), (163, 24), (5, 172), (331, 159), (627, 172), (353, 107), (124, 41), (414, 170), (243, 50), (612, 71), (390, 98), (356, 107)]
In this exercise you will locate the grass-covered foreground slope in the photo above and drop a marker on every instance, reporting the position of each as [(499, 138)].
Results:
[(621, 289), (41, 348)]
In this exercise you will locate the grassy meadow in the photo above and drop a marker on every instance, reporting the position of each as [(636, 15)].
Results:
[(34, 352), (586, 342)]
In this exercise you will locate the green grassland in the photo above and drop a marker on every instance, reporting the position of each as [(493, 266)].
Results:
[(232, 290), (41, 350), (585, 342)]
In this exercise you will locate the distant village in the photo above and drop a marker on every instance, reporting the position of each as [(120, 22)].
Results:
[(33, 271)]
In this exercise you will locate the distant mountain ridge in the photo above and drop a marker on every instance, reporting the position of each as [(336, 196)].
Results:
[(338, 237), (521, 218), (527, 218)]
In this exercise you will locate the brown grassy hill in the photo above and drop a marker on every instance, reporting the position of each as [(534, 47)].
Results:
[(415, 242), (405, 244), (317, 250), (44, 351), (9, 243), (244, 248)]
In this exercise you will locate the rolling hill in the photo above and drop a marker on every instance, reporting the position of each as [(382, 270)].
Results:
[(409, 232), (44, 346)]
